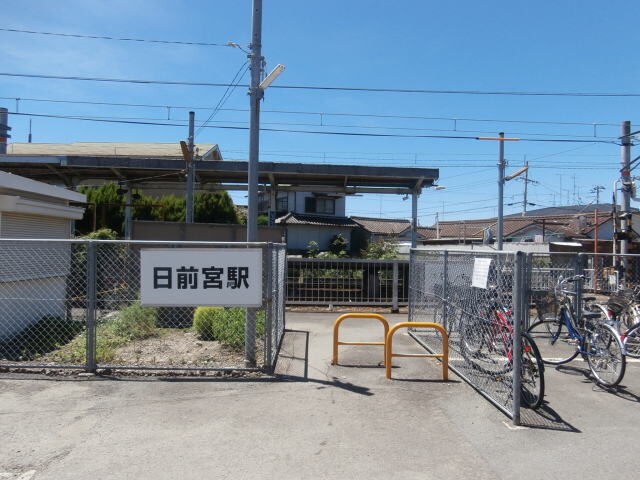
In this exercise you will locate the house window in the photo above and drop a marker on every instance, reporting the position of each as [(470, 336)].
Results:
[(282, 204), (320, 205)]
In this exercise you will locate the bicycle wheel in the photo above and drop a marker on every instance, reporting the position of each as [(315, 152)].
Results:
[(532, 379), (471, 336), (605, 355), (554, 342), (485, 346), (632, 341)]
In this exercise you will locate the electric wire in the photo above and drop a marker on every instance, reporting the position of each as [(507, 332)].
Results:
[(225, 96), (120, 39), (309, 132), (314, 113), (331, 88)]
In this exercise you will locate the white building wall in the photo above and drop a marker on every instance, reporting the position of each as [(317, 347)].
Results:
[(23, 303), (299, 236)]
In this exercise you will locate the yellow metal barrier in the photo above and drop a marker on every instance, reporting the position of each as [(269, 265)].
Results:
[(388, 351), (342, 318)]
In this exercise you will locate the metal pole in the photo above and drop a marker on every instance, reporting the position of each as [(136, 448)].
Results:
[(519, 301), (526, 184), (91, 307), (255, 95), (4, 129), (414, 218), (501, 168), (395, 284), (127, 212), (190, 171), (445, 289), (270, 322), (625, 204)]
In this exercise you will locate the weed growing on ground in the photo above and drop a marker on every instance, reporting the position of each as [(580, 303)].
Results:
[(225, 325)]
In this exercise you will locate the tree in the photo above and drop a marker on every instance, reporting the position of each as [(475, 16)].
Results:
[(214, 207), (379, 249), (106, 204), (339, 245), (313, 249), (170, 209)]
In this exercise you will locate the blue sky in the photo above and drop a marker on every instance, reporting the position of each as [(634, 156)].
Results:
[(560, 47)]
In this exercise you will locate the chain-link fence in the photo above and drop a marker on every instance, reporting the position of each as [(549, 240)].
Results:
[(79, 304), (475, 297)]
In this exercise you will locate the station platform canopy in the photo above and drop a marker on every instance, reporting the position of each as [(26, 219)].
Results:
[(165, 172)]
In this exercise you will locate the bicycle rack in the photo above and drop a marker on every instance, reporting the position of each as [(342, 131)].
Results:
[(342, 318), (445, 346)]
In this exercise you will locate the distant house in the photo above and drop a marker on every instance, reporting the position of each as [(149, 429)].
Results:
[(538, 226), (34, 210), (384, 229), (323, 229), (309, 217)]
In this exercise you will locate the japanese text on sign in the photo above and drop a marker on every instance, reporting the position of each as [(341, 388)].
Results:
[(201, 277)]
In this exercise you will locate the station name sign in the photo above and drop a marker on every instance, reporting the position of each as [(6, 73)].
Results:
[(201, 277)]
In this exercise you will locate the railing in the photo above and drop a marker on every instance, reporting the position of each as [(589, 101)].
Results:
[(315, 281)]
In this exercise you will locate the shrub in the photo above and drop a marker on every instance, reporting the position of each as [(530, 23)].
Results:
[(135, 322), (225, 325)]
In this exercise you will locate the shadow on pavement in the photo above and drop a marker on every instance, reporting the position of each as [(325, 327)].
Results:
[(545, 418)]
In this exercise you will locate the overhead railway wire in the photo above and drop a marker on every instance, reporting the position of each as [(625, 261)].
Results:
[(309, 132), (330, 88), (316, 113)]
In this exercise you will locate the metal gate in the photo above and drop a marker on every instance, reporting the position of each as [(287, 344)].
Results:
[(444, 289)]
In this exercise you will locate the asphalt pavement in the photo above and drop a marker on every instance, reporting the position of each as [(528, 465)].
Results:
[(314, 420)]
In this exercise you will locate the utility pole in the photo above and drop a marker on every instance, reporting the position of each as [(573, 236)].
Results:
[(255, 95), (501, 168), (526, 184), (597, 189), (190, 170), (625, 178), (4, 129), (501, 179)]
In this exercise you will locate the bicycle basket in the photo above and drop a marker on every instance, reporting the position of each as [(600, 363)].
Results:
[(617, 303), (546, 305)]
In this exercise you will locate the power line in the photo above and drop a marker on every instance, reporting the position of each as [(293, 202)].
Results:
[(330, 88), (309, 132), (225, 96), (120, 39), (322, 114)]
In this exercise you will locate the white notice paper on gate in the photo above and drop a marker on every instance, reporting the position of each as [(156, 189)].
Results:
[(480, 276), (198, 276)]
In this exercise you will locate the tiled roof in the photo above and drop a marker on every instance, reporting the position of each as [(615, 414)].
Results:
[(382, 226), (320, 220), (569, 225), (98, 149)]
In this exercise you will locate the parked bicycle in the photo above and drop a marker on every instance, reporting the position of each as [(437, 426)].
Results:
[(622, 311), (487, 344), (562, 336)]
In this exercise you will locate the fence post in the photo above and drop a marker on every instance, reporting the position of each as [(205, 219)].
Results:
[(445, 292), (394, 287), (268, 314), (519, 301), (91, 307)]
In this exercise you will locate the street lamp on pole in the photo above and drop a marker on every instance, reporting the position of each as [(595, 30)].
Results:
[(256, 93)]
